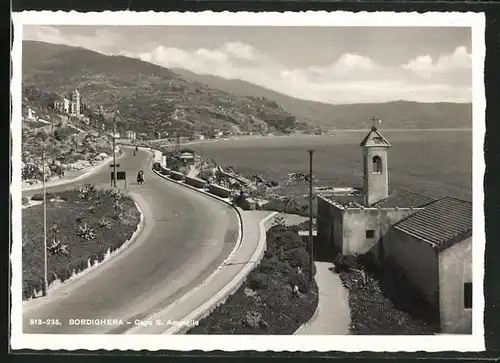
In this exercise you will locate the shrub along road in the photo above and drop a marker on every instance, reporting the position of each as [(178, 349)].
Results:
[(185, 238), (84, 224)]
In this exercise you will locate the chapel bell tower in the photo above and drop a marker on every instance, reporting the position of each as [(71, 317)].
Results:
[(375, 177)]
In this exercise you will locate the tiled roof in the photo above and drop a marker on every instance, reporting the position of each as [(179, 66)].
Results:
[(404, 199), (441, 223), (375, 138)]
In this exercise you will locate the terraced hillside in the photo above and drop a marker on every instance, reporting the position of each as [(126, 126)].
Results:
[(149, 97)]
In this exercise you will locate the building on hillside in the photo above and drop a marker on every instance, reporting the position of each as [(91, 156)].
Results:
[(75, 106), (31, 114), (61, 105), (186, 156), (116, 135), (71, 105), (427, 240), (132, 135)]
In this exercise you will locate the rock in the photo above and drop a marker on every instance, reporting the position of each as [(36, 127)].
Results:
[(79, 165), (98, 158), (103, 156)]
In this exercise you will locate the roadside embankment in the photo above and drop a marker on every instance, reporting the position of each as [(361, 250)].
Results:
[(84, 227), (72, 176), (376, 305), (276, 297)]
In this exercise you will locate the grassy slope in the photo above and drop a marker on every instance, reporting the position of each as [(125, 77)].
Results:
[(399, 114), (265, 303), (68, 216)]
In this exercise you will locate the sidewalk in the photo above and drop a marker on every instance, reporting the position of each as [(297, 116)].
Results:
[(332, 316), (199, 302), (72, 176)]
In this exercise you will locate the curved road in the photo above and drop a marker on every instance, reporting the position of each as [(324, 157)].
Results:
[(186, 236)]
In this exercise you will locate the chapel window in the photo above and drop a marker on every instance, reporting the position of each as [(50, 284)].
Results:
[(377, 164)]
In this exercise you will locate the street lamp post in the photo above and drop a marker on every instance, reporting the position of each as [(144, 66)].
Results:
[(114, 150), (311, 241), (46, 284)]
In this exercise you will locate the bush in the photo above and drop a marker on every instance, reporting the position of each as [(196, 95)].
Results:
[(85, 232), (69, 252), (298, 257), (300, 280), (117, 209), (56, 169), (104, 223), (25, 201), (270, 265), (257, 281), (31, 171), (279, 242), (206, 175), (344, 263), (86, 191), (62, 133), (41, 135), (39, 196), (156, 166)]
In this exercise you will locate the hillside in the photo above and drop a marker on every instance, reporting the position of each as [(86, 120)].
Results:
[(149, 97), (399, 114)]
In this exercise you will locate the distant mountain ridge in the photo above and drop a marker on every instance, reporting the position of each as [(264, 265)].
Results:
[(149, 97), (396, 114)]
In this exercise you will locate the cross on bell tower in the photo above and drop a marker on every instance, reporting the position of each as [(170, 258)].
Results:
[(374, 121)]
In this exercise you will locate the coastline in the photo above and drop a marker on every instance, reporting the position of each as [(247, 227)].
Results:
[(331, 132)]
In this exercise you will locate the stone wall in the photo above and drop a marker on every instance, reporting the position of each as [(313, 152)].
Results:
[(176, 175), (195, 182), (358, 222), (219, 190)]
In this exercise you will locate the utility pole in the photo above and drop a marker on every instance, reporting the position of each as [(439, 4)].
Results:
[(45, 281), (114, 151), (53, 115), (311, 242), (178, 142)]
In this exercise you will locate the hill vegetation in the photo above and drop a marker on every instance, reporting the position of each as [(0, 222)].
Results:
[(150, 98), (396, 115)]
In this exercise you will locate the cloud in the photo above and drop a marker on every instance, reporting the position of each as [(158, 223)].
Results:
[(100, 40), (350, 78), (425, 66)]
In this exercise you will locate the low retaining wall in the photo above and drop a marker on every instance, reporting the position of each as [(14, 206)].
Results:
[(176, 175), (248, 204), (195, 182), (219, 190), (221, 297), (165, 171)]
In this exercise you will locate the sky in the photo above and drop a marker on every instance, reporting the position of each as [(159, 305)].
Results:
[(326, 64)]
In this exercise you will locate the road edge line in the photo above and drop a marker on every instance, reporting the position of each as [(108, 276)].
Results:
[(236, 247), (230, 288)]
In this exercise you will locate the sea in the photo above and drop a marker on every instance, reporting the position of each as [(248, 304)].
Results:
[(431, 162)]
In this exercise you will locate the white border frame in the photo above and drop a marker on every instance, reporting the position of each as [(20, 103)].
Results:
[(474, 342)]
